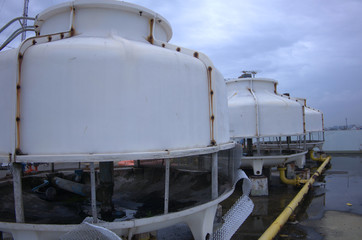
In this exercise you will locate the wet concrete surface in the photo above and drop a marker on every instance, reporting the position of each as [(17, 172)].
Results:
[(331, 210), (337, 225)]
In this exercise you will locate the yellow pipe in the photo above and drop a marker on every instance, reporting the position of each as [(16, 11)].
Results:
[(319, 159), (296, 181), (275, 227)]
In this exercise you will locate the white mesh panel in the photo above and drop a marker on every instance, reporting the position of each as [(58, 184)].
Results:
[(238, 213), (87, 231)]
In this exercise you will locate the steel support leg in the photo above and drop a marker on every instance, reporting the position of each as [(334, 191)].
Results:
[(105, 190), (167, 184), (214, 175), (93, 193), (18, 194)]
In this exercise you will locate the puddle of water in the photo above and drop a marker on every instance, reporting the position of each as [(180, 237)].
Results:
[(338, 190), (337, 225)]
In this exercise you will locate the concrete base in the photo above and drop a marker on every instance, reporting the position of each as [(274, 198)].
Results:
[(259, 186)]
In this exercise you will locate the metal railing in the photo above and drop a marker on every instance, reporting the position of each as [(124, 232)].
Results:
[(18, 31)]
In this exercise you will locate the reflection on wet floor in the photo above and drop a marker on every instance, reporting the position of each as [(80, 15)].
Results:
[(337, 190), (266, 209), (337, 225)]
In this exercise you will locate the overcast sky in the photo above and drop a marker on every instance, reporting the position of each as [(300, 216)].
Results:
[(313, 48)]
